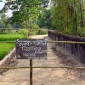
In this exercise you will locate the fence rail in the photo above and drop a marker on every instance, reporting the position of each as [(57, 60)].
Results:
[(69, 67), (50, 41), (69, 42)]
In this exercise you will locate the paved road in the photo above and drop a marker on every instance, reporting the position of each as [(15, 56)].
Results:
[(47, 76)]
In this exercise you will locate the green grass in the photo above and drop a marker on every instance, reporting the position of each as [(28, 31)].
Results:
[(6, 47), (10, 37)]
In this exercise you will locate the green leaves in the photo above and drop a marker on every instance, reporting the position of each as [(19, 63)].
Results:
[(67, 15), (44, 19), (24, 11)]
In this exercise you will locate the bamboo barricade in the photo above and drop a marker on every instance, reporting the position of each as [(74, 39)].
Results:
[(68, 67), (50, 41), (68, 42)]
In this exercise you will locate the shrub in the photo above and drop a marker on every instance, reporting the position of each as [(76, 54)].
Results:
[(8, 30), (43, 31), (25, 32), (35, 26), (36, 32)]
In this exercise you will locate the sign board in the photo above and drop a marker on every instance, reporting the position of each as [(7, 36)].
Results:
[(31, 48)]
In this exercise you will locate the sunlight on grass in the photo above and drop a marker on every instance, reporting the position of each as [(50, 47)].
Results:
[(6, 47), (10, 37)]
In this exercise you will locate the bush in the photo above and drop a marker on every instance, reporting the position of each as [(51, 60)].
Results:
[(35, 26), (43, 31), (25, 32), (8, 30), (34, 29), (36, 32)]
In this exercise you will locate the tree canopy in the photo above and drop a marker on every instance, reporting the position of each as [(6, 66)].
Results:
[(44, 19), (24, 11), (68, 16)]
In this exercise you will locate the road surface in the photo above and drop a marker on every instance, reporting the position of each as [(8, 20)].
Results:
[(47, 76)]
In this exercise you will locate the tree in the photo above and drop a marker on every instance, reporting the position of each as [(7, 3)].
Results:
[(44, 19), (68, 16), (45, 3), (3, 20), (25, 11)]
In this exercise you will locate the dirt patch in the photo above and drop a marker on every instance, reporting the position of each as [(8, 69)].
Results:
[(67, 59)]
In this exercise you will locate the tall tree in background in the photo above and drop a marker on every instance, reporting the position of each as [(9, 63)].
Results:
[(44, 19), (68, 16), (25, 11), (3, 20), (45, 3)]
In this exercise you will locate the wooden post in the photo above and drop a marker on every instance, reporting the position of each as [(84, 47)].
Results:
[(31, 83)]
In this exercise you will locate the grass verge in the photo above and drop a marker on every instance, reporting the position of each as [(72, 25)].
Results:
[(6, 47), (10, 37)]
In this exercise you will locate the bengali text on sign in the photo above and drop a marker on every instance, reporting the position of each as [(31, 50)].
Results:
[(31, 48)]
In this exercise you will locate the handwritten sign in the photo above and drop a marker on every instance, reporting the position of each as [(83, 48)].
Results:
[(31, 48)]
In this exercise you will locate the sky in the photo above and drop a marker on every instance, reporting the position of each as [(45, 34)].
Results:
[(9, 13), (50, 4)]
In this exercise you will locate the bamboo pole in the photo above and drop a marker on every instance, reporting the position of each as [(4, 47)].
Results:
[(50, 41), (68, 67), (69, 42)]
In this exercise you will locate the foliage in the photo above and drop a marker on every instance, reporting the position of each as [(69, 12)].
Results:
[(34, 26), (3, 20), (9, 26), (68, 16), (43, 31), (24, 32), (45, 3), (36, 32), (8, 30), (25, 11), (44, 19)]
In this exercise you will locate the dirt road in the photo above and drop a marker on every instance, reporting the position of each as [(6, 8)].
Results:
[(47, 76)]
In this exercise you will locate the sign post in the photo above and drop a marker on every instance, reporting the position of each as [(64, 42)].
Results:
[(31, 49), (31, 72)]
